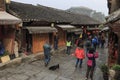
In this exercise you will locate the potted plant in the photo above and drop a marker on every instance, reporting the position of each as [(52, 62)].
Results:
[(105, 71), (117, 71)]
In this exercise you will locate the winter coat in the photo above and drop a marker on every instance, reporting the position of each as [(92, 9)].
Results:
[(79, 53), (88, 44), (91, 59), (47, 49)]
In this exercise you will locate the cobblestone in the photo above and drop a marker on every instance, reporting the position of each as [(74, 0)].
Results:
[(35, 70)]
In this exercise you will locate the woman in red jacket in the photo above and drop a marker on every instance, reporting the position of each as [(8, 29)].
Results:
[(79, 54)]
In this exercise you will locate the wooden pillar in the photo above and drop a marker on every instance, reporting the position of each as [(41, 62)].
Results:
[(118, 57)]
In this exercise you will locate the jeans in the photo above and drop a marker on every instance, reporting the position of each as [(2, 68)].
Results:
[(47, 59), (79, 60), (68, 49)]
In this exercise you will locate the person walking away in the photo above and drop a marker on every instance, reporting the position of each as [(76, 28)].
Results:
[(102, 42), (88, 44), (91, 63), (47, 48), (68, 44), (80, 55), (78, 41), (94, 42)]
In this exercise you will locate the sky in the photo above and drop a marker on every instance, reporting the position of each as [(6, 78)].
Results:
[(98, 5)]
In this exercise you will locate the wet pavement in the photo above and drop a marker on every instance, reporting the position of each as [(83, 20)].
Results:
[(35, 70)]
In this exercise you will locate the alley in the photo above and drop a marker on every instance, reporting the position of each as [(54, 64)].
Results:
[(35, 70)]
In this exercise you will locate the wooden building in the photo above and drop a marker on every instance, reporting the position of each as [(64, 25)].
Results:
[(113, 5), (87, 24), (36, 36), (113, 21), (8, 26), (38, 26), (45, 17), (65, 32), (76, 20)]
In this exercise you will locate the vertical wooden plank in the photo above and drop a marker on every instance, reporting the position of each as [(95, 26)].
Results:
[(43, 38), (8, 40), (38, 41), (62, 37)]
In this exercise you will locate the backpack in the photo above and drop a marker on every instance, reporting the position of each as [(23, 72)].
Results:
[(94, 41), (88, 43)]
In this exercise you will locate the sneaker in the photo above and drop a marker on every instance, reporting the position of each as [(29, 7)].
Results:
[(46, 64)]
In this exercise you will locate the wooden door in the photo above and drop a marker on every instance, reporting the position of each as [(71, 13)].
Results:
[(62, 37), (38, 42)]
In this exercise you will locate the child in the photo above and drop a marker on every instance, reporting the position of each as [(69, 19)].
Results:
[(91, 63)]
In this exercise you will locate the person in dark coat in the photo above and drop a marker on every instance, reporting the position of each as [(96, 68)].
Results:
[(2, 49), (56, 39), (47, 48), (88, 44)]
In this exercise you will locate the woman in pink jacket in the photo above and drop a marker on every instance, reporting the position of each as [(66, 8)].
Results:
[(91, 63), (80, 55)]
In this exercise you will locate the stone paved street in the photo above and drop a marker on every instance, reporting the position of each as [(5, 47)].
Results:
[(35, 70)]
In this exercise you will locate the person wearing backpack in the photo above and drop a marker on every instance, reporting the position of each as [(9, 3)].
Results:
[(95, 42), (88, 44), (91, 62)]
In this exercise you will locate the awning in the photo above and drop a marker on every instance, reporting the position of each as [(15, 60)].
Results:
[(75, 30), (93, 29), (39, 29), (105, 29), (67, 27), (8, 19)]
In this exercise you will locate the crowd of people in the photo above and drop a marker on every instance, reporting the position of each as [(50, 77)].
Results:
[(90, 52), (84, 48), (91, 44)]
